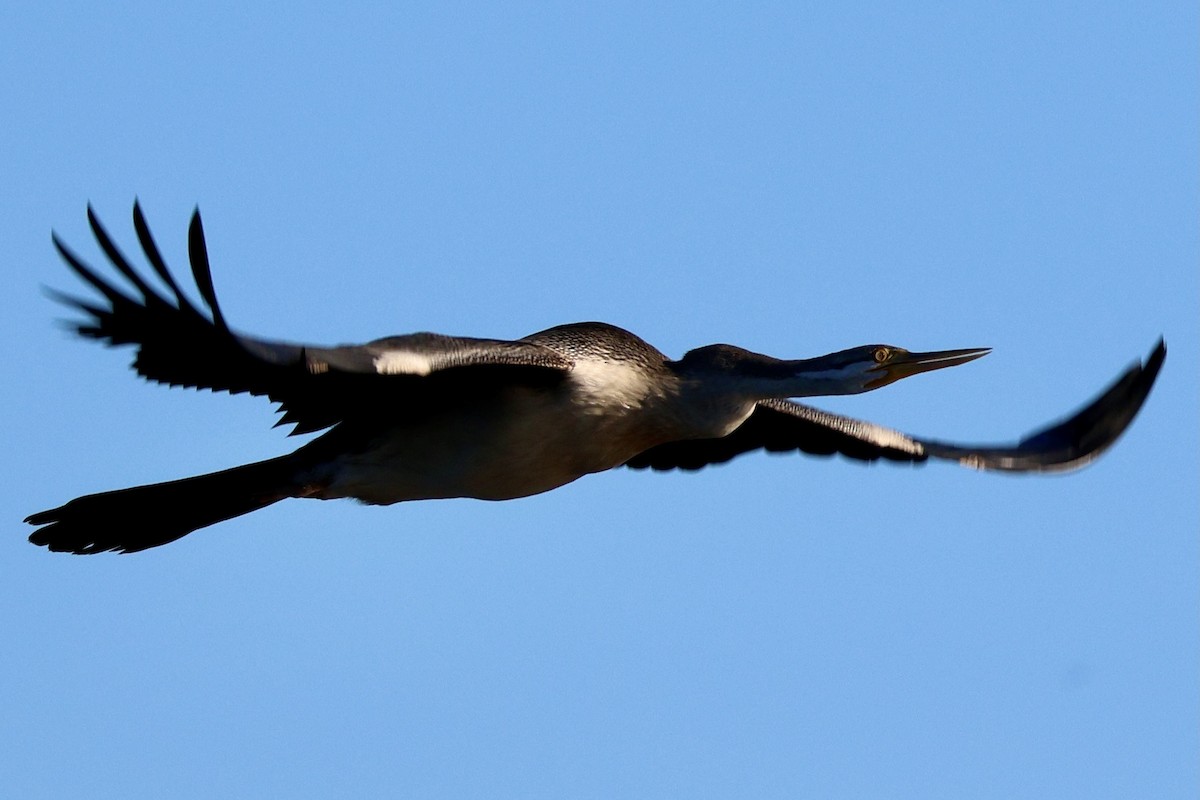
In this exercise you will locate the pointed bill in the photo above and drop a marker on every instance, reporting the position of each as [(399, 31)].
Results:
[(904, 364)]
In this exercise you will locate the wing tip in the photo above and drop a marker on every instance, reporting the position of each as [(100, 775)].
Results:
[(1076, 441), (1156, 359)]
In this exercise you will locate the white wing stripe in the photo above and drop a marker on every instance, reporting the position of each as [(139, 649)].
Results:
[(403, 362)]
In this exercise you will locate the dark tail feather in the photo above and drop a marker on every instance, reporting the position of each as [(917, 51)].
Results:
[(128, 520)]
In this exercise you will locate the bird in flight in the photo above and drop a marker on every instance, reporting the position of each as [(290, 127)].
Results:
[(423, 416)]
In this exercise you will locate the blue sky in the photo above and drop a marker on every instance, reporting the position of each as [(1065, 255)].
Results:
[(793, 180)]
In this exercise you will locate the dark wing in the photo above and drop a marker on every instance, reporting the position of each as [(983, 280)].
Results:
[(182, 345), (782, 426)]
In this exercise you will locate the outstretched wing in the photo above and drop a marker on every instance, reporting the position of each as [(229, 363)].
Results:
[(316, 387), (782, 426)]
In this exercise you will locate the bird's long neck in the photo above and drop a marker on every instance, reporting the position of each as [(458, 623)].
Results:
[(764, 377), (715, 404)]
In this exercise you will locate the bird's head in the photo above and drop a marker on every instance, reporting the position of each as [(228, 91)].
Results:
[(876, 365)]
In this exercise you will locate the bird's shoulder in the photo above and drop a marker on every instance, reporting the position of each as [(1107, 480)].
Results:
[(597, 341)]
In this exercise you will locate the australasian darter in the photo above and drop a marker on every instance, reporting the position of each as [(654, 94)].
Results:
[(425, 416)]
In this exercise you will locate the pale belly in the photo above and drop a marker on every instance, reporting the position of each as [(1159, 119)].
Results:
[(529, 445)]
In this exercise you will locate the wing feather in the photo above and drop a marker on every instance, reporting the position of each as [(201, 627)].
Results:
[(180, 345)]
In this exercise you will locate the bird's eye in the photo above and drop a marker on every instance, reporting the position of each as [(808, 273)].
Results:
[(882, 354)]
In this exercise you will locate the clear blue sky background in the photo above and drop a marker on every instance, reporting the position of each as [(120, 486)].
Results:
[(788, 178)]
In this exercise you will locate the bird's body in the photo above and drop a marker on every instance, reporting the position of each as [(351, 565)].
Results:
[(424, 416), (508, 442)]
